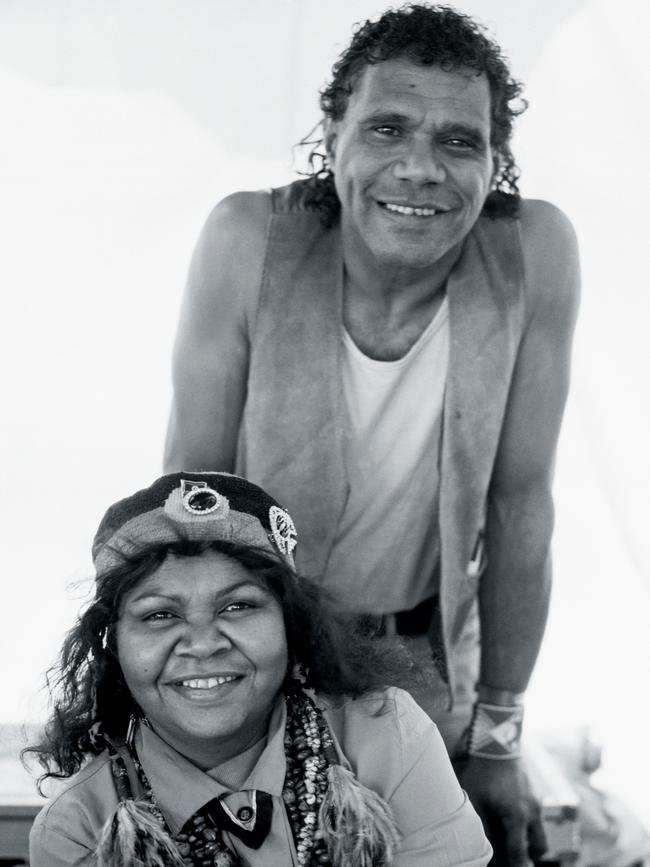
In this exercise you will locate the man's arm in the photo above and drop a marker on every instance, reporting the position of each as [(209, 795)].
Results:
[(514, 591), (210, 361), (515, 588)]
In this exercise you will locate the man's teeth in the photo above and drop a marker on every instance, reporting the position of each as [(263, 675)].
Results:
[(410, 212), (207, 682)]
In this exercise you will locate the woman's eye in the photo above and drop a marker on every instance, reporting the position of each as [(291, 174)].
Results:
[(157, 616), (240, 605)]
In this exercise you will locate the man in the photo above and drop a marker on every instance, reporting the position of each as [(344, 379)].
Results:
[(385, 347)]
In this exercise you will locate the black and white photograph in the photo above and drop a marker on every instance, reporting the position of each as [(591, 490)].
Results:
[(325, 366)]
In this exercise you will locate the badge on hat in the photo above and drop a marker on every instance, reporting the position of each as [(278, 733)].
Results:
[(283, 530), (196, 499)]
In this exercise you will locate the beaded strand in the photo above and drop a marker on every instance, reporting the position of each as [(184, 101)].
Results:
[(308, 746), (309, 751)]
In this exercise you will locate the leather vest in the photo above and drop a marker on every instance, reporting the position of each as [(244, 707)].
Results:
[(291, 435)]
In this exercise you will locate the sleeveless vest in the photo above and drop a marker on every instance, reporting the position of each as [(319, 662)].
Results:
[(291, 435)]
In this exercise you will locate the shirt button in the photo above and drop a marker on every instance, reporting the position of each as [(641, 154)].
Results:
[(244, 814)]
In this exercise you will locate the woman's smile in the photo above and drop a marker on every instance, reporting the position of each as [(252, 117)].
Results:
[(206, 689), (203, 649), (206, 682)]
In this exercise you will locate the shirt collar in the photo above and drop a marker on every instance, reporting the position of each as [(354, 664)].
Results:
[(180, 788)]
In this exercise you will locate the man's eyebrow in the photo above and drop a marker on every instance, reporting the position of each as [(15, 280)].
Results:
[(467, 130), (390, 116), (387, 116)]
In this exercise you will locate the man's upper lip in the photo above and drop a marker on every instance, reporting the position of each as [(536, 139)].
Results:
[(407, 203)]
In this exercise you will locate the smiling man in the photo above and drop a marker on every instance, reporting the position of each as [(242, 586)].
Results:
[(385, 346)]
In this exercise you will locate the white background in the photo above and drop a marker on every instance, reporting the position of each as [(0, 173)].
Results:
[(123, 123)]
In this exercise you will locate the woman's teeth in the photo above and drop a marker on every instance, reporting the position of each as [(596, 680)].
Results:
[(207, 682), (410, 212)]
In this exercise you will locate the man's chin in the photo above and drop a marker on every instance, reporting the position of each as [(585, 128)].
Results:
[(411, 256)]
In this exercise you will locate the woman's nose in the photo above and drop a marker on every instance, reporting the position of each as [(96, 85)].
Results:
[(203, 639)]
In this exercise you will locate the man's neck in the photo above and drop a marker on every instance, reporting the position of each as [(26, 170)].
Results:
[(371, 276), (385, 310)]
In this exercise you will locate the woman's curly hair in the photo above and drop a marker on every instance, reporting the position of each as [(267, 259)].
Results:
[(427, 35), (87, 686)]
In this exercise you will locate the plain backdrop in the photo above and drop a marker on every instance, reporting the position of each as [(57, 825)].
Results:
[(124, 122)]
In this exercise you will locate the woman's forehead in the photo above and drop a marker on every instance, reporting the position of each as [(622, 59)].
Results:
[(208, 573)]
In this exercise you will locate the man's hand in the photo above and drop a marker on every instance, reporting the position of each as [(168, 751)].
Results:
[(511, 816)]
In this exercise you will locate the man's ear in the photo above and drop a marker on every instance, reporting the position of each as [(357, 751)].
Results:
[(496, 167), (330, 128)]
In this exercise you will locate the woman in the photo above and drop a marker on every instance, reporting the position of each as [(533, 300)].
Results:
[(213, 712)]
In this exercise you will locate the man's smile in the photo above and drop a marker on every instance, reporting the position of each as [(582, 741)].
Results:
[(408, 210), (413, 209)]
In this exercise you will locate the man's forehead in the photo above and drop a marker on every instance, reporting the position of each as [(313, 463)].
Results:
[(398, 79)]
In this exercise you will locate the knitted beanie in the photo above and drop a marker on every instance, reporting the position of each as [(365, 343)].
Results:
[(201, 506)]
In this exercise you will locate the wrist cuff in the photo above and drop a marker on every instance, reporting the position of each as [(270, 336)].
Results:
[(500, 697), (495, 731)]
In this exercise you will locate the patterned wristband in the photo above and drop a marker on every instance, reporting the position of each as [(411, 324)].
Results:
[(495, 732)]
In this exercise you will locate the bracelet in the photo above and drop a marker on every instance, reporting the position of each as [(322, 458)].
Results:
[(501, 697), (495, 731)]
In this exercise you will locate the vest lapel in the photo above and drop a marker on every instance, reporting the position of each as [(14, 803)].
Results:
[(485, 314), (294, 426)]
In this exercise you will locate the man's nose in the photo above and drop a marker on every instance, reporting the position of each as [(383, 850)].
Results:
[(421, 164), (203, 639)]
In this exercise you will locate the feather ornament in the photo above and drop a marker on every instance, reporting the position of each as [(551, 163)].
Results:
[(132, 837), (356, 823)]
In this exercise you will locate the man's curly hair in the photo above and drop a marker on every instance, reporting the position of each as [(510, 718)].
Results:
[(427, 35)]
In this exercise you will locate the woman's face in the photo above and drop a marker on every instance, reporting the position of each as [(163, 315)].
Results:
[(203, 649)]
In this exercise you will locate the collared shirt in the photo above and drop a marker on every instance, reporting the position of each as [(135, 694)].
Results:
[(181, 788), (384, 738)]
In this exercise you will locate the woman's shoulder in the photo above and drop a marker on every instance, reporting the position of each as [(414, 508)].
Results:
[(384, 728), (395, 749), (90, 793), (390, 706)]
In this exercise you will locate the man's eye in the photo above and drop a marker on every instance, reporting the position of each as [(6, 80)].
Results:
[(460, 144), (389, 131)]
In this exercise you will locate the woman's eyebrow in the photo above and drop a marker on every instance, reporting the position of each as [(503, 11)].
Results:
[(159, 593)]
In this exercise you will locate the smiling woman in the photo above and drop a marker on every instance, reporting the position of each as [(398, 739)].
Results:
[(203, 651), (214, 711)]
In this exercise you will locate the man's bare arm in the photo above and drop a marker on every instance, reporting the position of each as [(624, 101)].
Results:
[(210, 361), (514, 591)]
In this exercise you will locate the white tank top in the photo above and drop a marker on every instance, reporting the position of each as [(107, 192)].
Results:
[(386, 549)]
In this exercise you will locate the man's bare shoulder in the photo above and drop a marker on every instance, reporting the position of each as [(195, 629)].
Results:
[(241, 219), (228, 259), (550, 252), (546, 231)]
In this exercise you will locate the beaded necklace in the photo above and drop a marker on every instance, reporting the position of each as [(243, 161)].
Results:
[(309, 752)]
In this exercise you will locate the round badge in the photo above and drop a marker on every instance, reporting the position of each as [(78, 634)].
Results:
[(202, 501), (283, 530), (244, 814)]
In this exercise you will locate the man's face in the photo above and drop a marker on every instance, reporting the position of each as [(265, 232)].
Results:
[(412, 162)]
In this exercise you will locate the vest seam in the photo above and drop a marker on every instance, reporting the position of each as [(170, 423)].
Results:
[(262, 282)]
